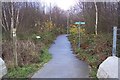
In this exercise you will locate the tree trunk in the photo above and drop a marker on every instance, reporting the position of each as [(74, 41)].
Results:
[(12, 20), (96, 24)]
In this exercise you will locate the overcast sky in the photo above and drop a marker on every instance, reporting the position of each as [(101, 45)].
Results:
[(63, 4)]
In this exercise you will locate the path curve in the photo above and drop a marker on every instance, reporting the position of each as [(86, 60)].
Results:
[(64, 64)]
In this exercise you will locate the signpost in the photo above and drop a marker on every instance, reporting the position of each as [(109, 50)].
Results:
[(79, 23)]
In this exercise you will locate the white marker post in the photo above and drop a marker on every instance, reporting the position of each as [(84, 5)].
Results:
[(114, 41)]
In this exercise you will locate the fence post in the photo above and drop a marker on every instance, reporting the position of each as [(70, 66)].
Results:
[(114, 41)]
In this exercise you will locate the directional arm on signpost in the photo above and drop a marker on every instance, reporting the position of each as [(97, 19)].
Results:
[(79, 23)]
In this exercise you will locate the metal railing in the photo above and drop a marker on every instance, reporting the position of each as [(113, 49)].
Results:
[(115, 35)]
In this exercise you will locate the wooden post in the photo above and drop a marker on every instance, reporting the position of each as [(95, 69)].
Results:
[(68, 23), (15, 47)]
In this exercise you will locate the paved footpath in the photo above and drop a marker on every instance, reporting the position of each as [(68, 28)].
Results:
[(64, 64)]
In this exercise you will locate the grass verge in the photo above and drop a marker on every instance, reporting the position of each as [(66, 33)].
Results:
[(92, 60), (27, 70)]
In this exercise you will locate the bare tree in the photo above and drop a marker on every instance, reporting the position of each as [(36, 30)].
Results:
[(10, 16), (98, 15)]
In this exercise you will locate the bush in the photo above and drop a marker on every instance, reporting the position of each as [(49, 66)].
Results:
[(44, 55), (93, 49), (27, 52), (27, 70)]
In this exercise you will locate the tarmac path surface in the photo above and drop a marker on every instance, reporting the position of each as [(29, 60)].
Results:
[(63, 64)]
